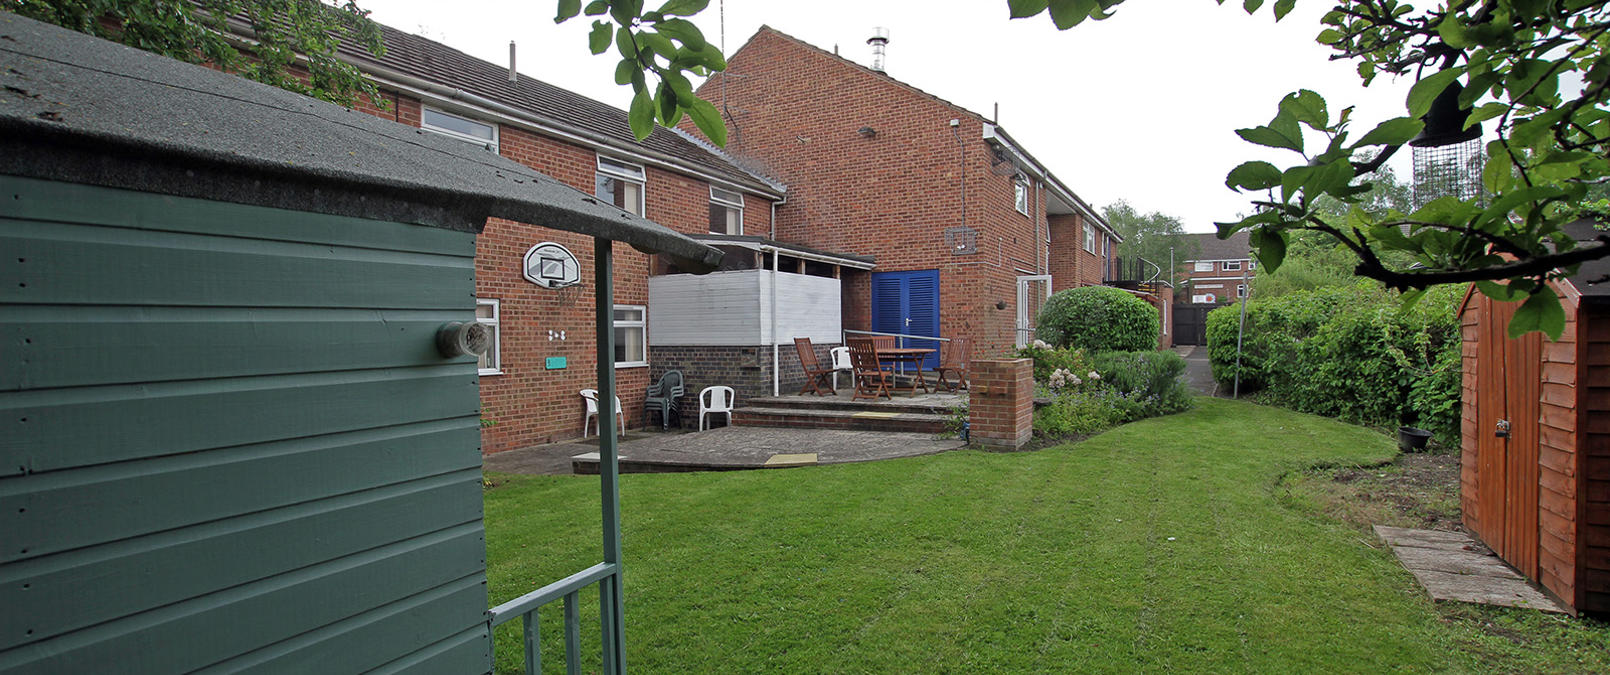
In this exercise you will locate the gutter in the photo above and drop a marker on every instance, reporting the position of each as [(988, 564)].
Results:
[(994, 134)]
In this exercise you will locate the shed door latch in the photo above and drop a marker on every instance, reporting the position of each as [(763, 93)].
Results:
[(1503, 429)]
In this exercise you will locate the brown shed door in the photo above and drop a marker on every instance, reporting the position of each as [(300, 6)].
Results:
[(1508, 394)]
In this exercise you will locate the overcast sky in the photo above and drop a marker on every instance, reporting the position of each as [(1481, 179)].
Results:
[(1142, 107)]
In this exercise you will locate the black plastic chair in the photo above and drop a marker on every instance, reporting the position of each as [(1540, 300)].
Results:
[(663, 397)]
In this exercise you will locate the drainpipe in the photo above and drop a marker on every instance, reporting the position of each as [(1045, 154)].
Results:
[(776, 377)]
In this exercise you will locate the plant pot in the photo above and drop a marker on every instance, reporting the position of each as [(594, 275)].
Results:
[(1411, 439)]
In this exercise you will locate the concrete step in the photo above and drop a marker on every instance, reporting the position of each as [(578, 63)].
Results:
[(898, 404), (859, 419)]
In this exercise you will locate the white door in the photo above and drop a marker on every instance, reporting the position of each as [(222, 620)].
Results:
[(1031, 294)]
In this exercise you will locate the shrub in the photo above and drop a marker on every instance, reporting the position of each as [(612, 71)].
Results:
[(1080, 412), (1152, 379), (1098, 318), (1348, 352), (1048, 359)]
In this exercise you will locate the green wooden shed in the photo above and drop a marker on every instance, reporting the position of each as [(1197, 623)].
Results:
[(232, 438)]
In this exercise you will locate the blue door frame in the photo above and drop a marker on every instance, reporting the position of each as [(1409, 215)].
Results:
[(908, 303)]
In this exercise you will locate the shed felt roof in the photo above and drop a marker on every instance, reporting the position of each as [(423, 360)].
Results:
[(1237, 247), (1593, 277), (81, 109)]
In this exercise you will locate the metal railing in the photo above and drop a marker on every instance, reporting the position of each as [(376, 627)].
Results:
[(526, 607)]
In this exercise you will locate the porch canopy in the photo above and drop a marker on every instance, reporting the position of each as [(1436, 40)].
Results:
[(77, 109)]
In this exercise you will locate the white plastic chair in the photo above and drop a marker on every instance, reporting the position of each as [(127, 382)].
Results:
[(715, 399), (841, 361), (591, 397)]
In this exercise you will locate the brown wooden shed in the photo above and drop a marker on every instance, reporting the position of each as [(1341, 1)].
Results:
[(1535, 471)]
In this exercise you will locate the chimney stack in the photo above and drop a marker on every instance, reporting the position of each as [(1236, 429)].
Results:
[(879, 41), (513, 75)]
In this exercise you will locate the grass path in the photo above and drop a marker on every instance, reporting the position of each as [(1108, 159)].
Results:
[(1159, 546)]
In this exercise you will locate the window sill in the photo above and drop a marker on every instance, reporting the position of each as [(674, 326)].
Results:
[(493, 371), (631, 364)]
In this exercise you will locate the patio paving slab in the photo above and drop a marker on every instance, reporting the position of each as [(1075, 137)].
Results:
[(1453, 566), (723, 449)]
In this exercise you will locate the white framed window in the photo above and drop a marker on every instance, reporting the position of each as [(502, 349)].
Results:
[(621, 183), (1021, 188), (459, 127), (486, 312), (1090, 238), (1240, 290), (631, 336), (1232, 265), (1252, 264), (1204, 267), (726, 211)]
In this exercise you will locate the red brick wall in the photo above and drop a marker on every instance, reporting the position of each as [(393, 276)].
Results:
[(1000, 411), (797, 112), (527, 403)]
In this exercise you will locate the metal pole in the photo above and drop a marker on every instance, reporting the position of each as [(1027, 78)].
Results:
[(612, 607), (1240, 331), (776, 375)]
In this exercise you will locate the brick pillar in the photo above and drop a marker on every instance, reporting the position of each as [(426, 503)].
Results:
[(1000, 408)]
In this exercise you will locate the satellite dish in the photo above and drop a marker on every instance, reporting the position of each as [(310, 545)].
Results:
[(551, 265)]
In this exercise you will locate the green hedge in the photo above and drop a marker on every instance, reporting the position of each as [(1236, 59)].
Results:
[(1348, 352), (1098, 319)]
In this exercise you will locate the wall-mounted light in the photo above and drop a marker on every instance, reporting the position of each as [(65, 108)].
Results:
[(1000, 304), (867, 132)]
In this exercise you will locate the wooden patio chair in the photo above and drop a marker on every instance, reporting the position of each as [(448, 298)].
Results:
[(815, 374), (872, 380), (885, 341), (956, 357)]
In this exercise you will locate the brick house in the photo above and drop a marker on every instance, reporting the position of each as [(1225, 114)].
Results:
[(968, 230), (1221, 271), (530, 384)]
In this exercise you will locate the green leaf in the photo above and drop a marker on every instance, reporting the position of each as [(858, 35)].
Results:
[(708, 120), (1452, 30), (641, 115), (1253, 176), (1428, 89), (1541, 311), (624, 43), (1022, 9), (624, 70), (567, 9), (659, 44), (1251, 5), (1307, 107), (1271, 247), (1069, 13), (598, 40), (1496, 176), (596, 7), (1497, 291), (1329, 36), (1283, 7), (1282, 135), (1395, 131), (1410, 298), (683, 7), (682, 31)]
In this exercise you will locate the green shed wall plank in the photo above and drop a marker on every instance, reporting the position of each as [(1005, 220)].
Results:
[(32, 199), (49, 596), (371, 640), (46, 514), (225, 435), (55, 264), (462, 653), (57, 429), (205, 630), (78, 346)]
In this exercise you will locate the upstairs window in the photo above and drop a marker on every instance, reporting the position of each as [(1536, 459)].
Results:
[(726, 212), (621, 183), (1204, 267), (1232, 265), (461, 128), (1090, 238), (1022, 188)]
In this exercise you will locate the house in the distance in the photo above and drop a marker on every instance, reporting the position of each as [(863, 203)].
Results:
[(969, 231), (1221, 272)]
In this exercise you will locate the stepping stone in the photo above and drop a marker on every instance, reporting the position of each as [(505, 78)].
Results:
[(1452, 566), (786, 460)]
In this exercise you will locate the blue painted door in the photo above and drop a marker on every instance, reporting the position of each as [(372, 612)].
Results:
[(908, 303)]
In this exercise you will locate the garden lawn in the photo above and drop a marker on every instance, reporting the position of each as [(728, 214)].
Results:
[(1160, 545)]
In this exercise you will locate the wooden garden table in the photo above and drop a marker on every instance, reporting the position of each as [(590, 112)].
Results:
[(912, 355)]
